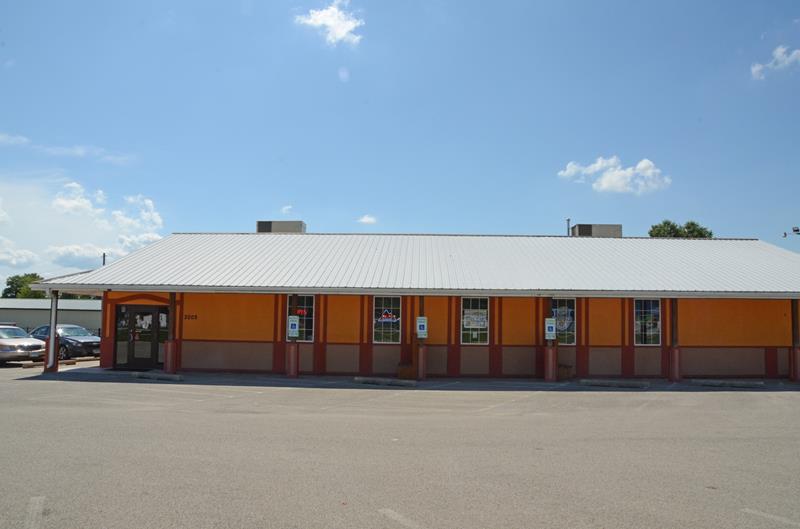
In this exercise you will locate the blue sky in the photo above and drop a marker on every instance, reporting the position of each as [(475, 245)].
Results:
[(123, 122)]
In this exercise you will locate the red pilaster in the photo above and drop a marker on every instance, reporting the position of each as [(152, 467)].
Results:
[(496, 338), (365, 348), (628, 353), (320, 333), (582, 337), (279, 345), (675, 364), (453, 336), (109, 330)]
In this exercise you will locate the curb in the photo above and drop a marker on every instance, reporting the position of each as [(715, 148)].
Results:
[(753, 384), (149, 375), (379, 381), (630, 384)]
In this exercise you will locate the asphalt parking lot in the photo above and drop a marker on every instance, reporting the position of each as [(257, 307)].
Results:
[(227, 451)]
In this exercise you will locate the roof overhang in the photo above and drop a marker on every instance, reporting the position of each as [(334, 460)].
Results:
[(97, 289)]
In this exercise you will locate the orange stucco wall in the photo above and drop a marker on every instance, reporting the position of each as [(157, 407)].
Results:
[(518, 325), (243, 317), (436, 312), (605, 321), (343, 316), (734, 322)]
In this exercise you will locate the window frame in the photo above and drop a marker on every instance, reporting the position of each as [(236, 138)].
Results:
[(400, 321), (574, 342), (313, 316), (660, 323), (488, 321)]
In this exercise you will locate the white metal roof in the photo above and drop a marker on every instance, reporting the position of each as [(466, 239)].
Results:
[(449, 265), (44, 304)]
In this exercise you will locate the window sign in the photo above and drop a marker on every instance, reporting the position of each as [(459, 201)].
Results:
[(647, 322), (475, 321), (304, 311), (386, 319), (564, 314)]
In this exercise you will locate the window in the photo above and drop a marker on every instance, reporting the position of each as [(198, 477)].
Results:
[(475, 321), (304, 308), (386, 319), (647, 322), (564, 313)]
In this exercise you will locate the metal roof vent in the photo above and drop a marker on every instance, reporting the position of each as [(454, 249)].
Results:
[(597, 230), (280, 226)]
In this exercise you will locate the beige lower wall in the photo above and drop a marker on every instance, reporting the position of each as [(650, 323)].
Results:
[(340, 358), (519, 361), (256, 356), (605, 361), (437, 360), (647, 361), (385, 359), (566, 356), (722, 361), (306, 353), (474, 360), (783, 361)]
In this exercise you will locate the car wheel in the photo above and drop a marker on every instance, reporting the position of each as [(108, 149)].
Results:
[(63, 353)]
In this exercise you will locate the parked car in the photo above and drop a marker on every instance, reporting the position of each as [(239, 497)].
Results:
[(73, 340), (16, 344)]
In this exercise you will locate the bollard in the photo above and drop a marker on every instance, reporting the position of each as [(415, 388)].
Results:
[(54, 367), (170, 356), (550, 363), (675, 364), (292, 360)]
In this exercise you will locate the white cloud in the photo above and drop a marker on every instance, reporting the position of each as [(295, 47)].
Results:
[(286, 209), (781, 58), (367, 219), (81, 256), (4, 218), (337, 24), (100, 196), (608, 175), (75, 151), (13, 257), (344, 74), (10, 139), (65, 228)]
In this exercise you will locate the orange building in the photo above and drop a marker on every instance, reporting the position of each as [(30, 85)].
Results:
[(622, 307)]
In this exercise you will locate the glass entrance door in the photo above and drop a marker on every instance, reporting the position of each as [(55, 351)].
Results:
[(141, 331)]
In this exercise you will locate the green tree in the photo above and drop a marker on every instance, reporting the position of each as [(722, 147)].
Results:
[(690, 230), (19, 286)]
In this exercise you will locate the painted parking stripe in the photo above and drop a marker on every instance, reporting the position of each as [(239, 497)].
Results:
[(399, 518), (772, 517), (35, 510)]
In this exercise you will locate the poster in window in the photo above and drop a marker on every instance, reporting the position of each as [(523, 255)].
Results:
[(475, 319)]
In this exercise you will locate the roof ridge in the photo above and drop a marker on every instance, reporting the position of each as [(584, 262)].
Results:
[(516, 235)]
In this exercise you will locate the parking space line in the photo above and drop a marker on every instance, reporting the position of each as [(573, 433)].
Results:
[(772, 517), (399, 518), (35, 511), (512, 401)]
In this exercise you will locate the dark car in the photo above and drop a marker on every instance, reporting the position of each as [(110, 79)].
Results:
[(73, 340)]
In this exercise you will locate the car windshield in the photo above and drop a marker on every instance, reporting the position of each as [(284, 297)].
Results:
[(73, 331), (12, 332)]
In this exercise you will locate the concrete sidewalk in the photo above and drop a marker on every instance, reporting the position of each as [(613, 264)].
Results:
[(97, 374)]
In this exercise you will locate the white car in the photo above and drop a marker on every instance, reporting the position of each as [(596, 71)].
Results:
[(16, 344)]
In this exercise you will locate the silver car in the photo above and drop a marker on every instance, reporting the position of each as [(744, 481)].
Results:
[(16, 344)]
